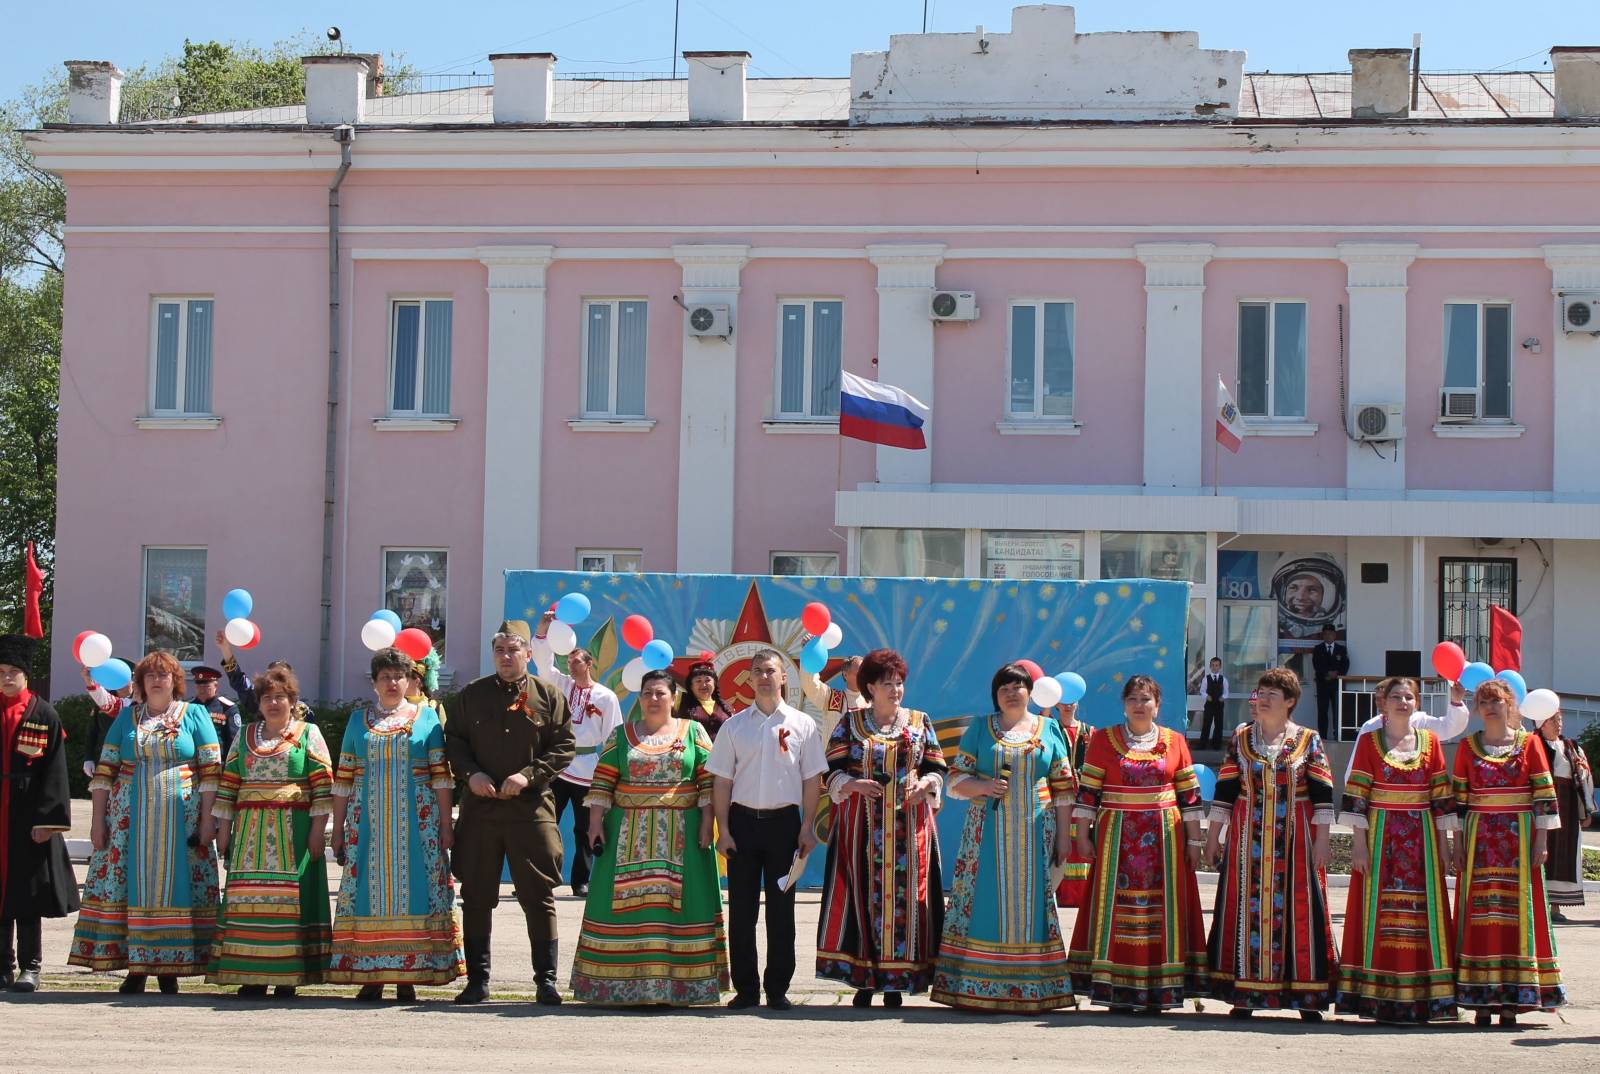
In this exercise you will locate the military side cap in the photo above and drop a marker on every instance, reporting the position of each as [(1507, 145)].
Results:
[(517, 628)]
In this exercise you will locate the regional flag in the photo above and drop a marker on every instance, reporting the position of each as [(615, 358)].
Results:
[(881, 413), (1230, 426)]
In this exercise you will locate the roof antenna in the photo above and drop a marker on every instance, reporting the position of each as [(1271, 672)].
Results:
[(676, 4), (1416, 70)]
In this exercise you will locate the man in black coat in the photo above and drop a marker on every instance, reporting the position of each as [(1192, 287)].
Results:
[(1329, 660), (36, 879)]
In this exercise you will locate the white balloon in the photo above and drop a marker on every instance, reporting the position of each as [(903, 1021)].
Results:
[(239, 631), (561, 637), (832, 636), (377, 634), (95, 650), (1047, 692), (1538, 706), (633, 674)]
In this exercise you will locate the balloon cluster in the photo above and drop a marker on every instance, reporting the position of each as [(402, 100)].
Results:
[(1049, 691), (1451, 664), (654, 653), (826, 636), (383, 631), (240, 631), (93, 650)]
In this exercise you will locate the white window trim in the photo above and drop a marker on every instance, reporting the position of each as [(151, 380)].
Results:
[(801, 426), (415, 425), (610, 554), (1279, 427), (188, 422), (804, 417), (383, 579), (608, 413), (422, 359), (151, 413), (772, 557), (1272, 365), (144, 590), (611, 425), (1505, 423), (1037, 423)]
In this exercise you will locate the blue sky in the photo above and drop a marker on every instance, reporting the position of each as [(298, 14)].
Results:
[(813, 37)]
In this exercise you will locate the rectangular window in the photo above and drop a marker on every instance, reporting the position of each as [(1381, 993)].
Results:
[(1172, 556), (419, 357), (1467, 587), (613, 357), (611, 560), (805, 563), (1032, 554), (1477, 354), (1272, 359), (1041, 360), (810, 352), (894, 553), (175, 602), (416, 587), (180, 357)]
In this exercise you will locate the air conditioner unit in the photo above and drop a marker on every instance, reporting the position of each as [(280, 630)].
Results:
[(1379, 421), (710, 321), (1580, 312), (1458, 405), (953, 306)]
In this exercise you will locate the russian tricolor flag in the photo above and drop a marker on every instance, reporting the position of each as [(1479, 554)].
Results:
[(881, 414)]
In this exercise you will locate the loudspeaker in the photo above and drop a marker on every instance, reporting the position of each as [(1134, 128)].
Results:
[(1406, 662)]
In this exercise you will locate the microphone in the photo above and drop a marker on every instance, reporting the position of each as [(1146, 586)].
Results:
[(1005, 774)]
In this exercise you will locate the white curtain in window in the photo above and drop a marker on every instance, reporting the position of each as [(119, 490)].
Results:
[(166, 373), (197, 359), (597, 381), (792, 359), (631, 323), (407, 340), (436, 356), (827, 345)]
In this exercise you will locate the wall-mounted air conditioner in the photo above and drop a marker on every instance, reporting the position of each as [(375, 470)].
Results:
[(1379, 421), (710, 321), (953, 306)]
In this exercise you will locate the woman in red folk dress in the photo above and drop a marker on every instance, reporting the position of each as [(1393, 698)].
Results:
[(1140, 943), (1074, 886), (1397, 964), (1271, 940), (1505, 953)]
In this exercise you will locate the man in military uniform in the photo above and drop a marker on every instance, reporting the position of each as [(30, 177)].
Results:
[(509, 736), (224, 712)]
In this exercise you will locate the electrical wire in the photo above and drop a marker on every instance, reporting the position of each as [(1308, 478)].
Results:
[(476, 56)]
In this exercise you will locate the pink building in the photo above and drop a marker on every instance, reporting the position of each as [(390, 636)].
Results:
[(1059, 241)]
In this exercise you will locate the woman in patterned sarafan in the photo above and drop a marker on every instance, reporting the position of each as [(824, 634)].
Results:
[(1397, 964), (150, 898), (1002, 948), (1574, 781), (652, 921), (1506, 799), (272, 823), (394, 922), (1271, 944), (882, 904)]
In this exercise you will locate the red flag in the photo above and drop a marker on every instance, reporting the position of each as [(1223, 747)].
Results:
[(1505, 640), (33, 586)]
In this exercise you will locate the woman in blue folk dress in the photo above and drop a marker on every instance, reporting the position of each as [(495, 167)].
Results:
[(1002, 948)]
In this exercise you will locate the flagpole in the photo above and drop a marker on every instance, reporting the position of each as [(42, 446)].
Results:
[(1216, 461)]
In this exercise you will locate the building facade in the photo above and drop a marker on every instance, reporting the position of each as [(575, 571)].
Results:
[(610, 339)]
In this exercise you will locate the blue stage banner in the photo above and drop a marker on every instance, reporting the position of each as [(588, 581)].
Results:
[(953, 632)]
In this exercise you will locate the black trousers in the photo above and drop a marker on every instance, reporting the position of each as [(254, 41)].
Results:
[(30, 943), (1211, 728), (764, 852), (582, 859), (1327, 702)]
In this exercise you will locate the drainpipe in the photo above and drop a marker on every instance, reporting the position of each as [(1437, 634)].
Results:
[(346, 138)]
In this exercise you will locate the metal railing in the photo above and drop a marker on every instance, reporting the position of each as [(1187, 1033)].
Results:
[(644, 94), (1357, 705), (1440, 95)]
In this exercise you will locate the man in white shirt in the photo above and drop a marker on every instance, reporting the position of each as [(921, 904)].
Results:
[(1214, 688), (596, 712), (768, 761), (1448, 727)]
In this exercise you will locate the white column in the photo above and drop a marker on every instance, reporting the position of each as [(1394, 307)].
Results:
[(1575, 587), (706, 428), (1376, 357), (905, 345), (1576, 359), (513, 423), (1175, 400)]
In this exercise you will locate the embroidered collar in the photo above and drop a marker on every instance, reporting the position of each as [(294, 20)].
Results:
[(1152, 745), (1498, 754)]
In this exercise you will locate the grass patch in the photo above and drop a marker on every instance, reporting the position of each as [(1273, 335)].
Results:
[(1591, 864)]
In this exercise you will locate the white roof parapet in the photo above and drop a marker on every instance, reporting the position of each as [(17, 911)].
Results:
[(1044, 70), (94, 92)]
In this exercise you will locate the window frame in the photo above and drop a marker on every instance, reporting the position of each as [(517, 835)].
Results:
[(1480, 305), (772, 567), (809, 361), (182, 371), (610, 555), (613, 357), (383, 581), (145, 645), (1037, 413), (421, 302), (1270, 387), (1470, 643)]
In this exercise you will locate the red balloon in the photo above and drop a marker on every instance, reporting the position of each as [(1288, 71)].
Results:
[(815, 617), (1448, 660), (414, 642), (1032, 669), (637, 631), (255, 639), (77, 642)]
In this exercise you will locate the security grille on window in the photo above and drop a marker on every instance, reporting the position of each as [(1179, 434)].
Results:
[(611, 560), (1477, 361), (810, 346), (814, 563), (1467, 587), (180, 357), (416, 586), (175, 602), (1272, 359), (419, 358), (1041, 360), (614, 357)]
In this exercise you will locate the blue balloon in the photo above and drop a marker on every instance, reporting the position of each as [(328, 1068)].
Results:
[(388, 617), (1518, 684), (1208, 781), (1475, 675), (813, 656), (237, 604), (1072, 687), (573, 608), (656, 655), (114, 674)]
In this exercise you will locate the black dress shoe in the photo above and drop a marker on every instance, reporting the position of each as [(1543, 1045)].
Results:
[(168, 984), (27, 981), (1241, 1013), (779, 1003), (1311, 1016), (580, 890), (742, 1002), (892, 1000), (252, 991), (405, 993), (1483, 1018), (6, 980), (476, 992), (133, 984), (369, 994), (284, 991), (863, 998)]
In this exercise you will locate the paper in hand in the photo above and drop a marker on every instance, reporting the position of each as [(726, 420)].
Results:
[(795, 870)]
